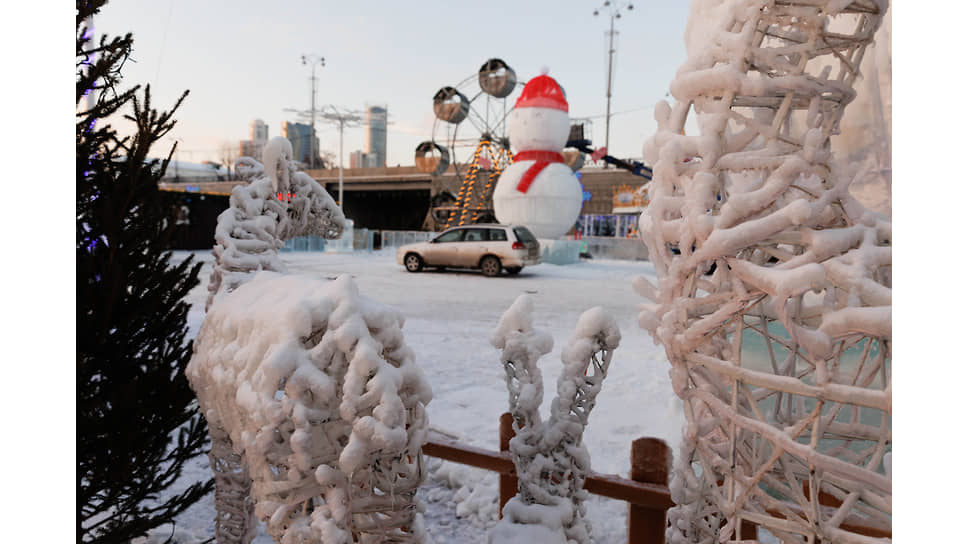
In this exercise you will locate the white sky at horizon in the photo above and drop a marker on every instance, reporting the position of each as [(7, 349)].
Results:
[(241, 61)]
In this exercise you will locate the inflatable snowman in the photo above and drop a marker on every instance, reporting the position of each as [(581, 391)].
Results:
[(538, 189)]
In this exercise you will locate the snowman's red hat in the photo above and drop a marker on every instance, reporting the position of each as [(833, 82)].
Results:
[(542, 92)]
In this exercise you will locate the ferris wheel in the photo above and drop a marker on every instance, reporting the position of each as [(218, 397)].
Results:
[(470, 134)]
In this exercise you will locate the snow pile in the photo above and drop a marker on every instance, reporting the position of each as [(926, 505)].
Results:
[(312, 395), (476, 491), (550, 459), (756, 240), (279, 203)]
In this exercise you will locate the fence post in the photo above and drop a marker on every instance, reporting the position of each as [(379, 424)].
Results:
[(507, 484), (747, 531), (651, 461)]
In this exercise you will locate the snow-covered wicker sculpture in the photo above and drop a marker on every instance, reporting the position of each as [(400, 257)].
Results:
[(774, 285), (550, 459), (311, 393), (279, 203), (315, 405)]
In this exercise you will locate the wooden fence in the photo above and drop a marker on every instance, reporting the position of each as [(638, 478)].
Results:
[(646, 489)]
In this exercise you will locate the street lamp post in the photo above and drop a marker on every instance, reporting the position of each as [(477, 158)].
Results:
[(312, 60), (615, 12), (342, 120)]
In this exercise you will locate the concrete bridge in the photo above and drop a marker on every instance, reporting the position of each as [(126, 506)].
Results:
[(398, 198)]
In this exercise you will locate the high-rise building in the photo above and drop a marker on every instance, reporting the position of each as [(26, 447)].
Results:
[(357, 159), (248, 148), (301, 136), (376, 136), (259, 131), (258, 136)]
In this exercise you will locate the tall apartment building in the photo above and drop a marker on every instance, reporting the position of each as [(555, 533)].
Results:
[(259, 131), (258, 136), (357, 159), (301, 136), (376, 137)]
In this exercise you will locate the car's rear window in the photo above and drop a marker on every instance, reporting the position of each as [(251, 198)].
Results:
[(524, 235), (451, 236), (497, 235)]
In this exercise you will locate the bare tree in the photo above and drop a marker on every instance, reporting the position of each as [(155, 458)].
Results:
[(227, 153), (329, 159)]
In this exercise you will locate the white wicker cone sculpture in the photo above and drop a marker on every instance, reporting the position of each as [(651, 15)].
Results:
[(550, 459), (774, 285), (314, 402)]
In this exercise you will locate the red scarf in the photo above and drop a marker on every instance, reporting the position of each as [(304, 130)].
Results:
[(542, 158)]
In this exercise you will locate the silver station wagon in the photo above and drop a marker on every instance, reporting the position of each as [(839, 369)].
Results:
[(488, 247)]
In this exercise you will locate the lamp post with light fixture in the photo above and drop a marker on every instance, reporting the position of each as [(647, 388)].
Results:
[(312, 60), (615, 12), (342, 119)]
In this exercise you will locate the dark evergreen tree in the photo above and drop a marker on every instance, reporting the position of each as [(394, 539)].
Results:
[(137, 420)]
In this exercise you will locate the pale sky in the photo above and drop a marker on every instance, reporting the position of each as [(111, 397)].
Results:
[(241, 61)]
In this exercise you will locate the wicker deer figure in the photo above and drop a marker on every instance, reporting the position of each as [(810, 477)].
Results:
[(773, 299), (315, 404)]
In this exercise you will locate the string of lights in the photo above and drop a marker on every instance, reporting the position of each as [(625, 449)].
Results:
[(471, 203)]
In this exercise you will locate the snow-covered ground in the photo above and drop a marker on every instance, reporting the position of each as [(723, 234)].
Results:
[(450, 317)]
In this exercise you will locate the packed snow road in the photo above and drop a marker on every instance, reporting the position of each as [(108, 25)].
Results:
[(449, 319)]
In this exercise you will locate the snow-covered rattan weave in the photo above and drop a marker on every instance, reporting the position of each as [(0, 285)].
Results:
[(315, 404), (773, 299)]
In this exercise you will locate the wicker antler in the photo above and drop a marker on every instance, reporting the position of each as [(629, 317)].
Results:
[(550, 458)]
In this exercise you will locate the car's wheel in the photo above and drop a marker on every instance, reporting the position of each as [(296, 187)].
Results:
[(513, 269), (413, 262), (490, 266)]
